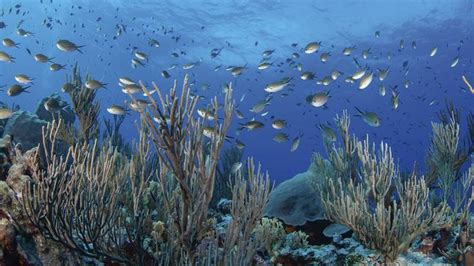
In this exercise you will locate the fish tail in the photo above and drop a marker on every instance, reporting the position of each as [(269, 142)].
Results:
[(358, 110)]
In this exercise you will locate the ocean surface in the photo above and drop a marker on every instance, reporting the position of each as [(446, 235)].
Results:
[(111, 32)]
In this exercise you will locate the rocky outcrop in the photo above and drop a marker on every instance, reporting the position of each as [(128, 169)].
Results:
[(25, 128), (295, 201)]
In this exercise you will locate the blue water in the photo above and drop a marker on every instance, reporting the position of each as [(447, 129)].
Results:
[(236, 26)]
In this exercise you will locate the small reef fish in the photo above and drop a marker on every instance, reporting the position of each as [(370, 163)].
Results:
[(312, 47), (370, 118), (5, 113), (68, 46), (278, 85)]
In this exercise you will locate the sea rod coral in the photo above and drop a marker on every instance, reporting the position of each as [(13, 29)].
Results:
[(113, 206)]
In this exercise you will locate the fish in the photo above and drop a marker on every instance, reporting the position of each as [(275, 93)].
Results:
[(259, 106), (7, 42), (237, 70), (407, 84), (312, 47), (307, 75), (131, 89), (215, 52), (365, 81), (252, 124), (43, 58), (126, 81), (23, 79), (377, 34), (383, 73), (264, 65), (138, 105), (433, 51), (4, 57), (349, 80), (325, 81), (327, 132), (382, 90), (236, 167), (154, 43), (319, 99), (116, 110), (24, 33), (135, 63), (277, 85), (165, 74), (68, 88), (16, 90), (206, 113), (93, 84), (413, 45), (348, 50), (239, 114), (279, 124), (295, 143), (68, 46), (324, 57), (402, 44), (335, 74), (299, 66), (455, 61), (141, 56), (268, 53), (240, 145), (53, 105), (280, 137), (366, 53), (5, 113), (370, 118), (394, 99), (56, 67), (358, 74)]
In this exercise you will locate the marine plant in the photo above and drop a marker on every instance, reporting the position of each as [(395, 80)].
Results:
[(361, 187)]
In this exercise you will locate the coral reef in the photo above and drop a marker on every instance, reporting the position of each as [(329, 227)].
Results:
[(137, 206), (72, 196), (363, 190)]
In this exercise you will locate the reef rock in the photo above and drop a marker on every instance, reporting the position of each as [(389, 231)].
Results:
[(66, 113), (295, 201), (27, 247), (25, 127), (5, 156)]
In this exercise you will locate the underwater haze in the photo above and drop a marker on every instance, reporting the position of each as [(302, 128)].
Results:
[(426, 46)]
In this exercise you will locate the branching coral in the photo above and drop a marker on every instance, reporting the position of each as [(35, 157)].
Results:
[(85, 106), (146, 207), (385, 212), (75, 201), (249, 197), (179, 143), (225, 174)]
